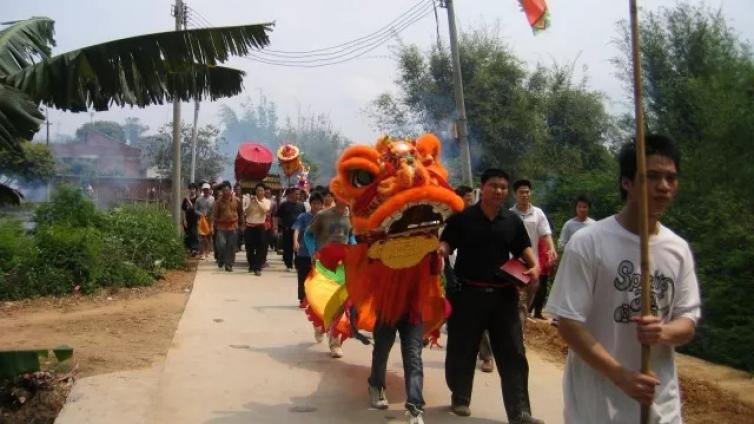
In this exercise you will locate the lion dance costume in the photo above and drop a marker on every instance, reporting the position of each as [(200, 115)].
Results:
[(398, 196)]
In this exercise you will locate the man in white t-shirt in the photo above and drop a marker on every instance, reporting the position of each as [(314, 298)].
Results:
[(537, 227), (597, 295), (256, 209), (581, 220)]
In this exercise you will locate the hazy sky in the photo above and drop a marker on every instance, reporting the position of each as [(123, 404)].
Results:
[(581, 30)]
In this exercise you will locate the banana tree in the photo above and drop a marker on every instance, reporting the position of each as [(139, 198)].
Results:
[(137, 71)]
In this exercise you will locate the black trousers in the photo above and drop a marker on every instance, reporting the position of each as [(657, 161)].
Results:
[(288, 247), (495, 310), (256, 247), (303, 266), (540, 297)]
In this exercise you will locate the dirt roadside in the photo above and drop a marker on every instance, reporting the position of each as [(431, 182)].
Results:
[(710, 393), (111, 331)]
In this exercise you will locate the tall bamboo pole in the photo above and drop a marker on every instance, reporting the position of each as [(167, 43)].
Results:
[(641, 172)]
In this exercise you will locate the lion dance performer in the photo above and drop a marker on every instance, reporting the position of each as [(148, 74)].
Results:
[(389, 281)]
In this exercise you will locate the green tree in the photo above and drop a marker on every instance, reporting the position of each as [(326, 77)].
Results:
[(134, 130), (256, 121), (320, 142), (539, 123), (35, 165), (699, 84), (210, 162), (320, 145), (109, 128)]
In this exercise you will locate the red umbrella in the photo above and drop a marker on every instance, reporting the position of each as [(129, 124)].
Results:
[(253, 161)]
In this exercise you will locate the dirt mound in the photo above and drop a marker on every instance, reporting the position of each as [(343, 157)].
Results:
[(705, 395)]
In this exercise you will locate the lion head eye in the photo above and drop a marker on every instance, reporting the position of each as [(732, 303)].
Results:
[(361, 178)]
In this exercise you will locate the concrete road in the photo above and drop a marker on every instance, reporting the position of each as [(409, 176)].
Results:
[(245, 353)]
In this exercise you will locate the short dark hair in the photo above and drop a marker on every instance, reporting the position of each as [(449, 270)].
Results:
[(224, 184), (462, 190), (581, 198), (193, 185), (494, 173), (322, 190), (655, 144), (520, 183), (290, 190), (316, 197), (260, 185)]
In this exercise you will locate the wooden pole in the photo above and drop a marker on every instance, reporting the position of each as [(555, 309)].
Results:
[(641, 172), (176, 174), (461, 123)]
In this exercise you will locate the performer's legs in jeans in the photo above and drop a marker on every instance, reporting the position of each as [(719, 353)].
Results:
[(411, 350)]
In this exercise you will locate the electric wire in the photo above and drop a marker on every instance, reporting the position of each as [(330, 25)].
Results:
[(333, 61), (350, 50)]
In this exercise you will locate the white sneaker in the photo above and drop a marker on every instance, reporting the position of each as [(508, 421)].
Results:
[(318, 335), (377, 397), (414, 419), (336, 351)]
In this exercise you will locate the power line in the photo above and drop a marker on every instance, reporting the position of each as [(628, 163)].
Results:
[(308, 64), (347, 51), (356, 50), (418, 6), (354, 46)]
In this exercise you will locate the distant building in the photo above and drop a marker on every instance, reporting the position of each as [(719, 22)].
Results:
[(99, 155), (109, 171)]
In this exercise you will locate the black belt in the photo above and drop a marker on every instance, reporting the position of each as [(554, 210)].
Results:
[(484, 287)]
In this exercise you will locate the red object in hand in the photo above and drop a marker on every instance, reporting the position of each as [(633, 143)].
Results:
[(514, 272), (253, 162)]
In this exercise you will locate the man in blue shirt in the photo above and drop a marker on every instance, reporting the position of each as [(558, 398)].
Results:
[(303, 261)]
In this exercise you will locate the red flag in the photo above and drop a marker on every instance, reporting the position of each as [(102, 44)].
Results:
[(536, 13)]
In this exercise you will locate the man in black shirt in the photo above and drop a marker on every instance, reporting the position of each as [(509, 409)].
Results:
[(486, 235), (287, 213)]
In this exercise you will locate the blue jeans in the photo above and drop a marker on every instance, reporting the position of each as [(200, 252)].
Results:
[(411, 351), (226, 247)]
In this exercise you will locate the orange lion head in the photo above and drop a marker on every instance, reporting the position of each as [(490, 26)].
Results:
[(399, 197), (395, 187)]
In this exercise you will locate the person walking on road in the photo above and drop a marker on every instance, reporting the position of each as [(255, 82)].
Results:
[(190, 221), (581, 220), (228, 216), (537, 228), (486, 235), (287, 213), (203, 208), (331, 226), (303, 259), (255, 241), (597, 298)]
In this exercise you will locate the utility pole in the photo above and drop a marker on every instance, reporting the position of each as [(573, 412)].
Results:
[(194, 133), (179, 11), (47, 124), (461, 122)]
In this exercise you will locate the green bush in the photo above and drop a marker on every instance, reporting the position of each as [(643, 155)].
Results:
[(77, 247), (78, 251), (147, 237), (14, 243), (68, 206)]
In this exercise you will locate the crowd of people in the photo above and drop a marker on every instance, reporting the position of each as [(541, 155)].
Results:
[(594, 300)]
